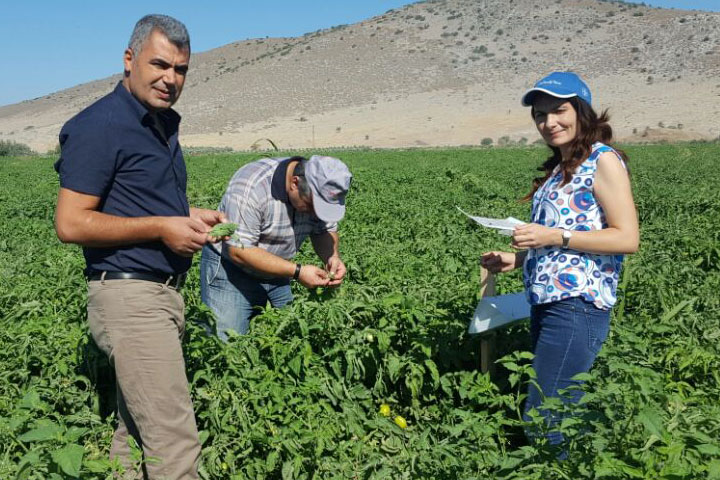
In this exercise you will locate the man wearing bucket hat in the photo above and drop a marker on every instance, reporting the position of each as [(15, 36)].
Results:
[(277, 203)]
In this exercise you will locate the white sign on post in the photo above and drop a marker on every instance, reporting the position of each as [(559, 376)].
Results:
[(493, 311), (499, 311)]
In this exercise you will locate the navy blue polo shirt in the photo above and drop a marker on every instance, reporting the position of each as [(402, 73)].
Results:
[(113, 150)]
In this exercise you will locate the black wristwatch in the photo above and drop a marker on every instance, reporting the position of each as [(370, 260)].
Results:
[(296, 275)]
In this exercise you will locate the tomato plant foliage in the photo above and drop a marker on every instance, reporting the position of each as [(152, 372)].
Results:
[(300, 396)]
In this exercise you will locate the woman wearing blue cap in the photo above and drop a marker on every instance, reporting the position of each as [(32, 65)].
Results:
[(583, 221)]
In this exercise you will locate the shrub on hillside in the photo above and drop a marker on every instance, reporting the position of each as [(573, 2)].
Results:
[(198, 150), (55, 151), (504, 141), (8, 148)]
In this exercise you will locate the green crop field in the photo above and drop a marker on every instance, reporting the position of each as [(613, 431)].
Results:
[(300, 396)]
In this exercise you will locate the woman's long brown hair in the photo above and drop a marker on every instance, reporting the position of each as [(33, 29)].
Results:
[(591, 128)]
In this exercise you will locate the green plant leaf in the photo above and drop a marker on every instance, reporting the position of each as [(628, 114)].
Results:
[(652, 421), (97, 466), (713, 470), (26, 463), (288, 470), (31, 401), (49, 431), (69, 459)]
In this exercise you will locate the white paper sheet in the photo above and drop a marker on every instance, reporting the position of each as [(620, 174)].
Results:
[(504, 226)]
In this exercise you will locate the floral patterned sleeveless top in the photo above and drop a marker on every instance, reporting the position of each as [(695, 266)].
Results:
[(551, 273)]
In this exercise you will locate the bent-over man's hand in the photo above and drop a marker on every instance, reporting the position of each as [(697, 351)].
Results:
[(184, 235), (312, 276), (336, 269)]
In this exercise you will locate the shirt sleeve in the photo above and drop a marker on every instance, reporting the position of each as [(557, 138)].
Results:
[(322, 227), (87, 162), (242, 207)]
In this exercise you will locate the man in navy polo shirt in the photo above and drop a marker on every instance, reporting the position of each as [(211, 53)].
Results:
[(122, 197)]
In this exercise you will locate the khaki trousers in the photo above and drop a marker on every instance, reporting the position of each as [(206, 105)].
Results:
[(139, 325)]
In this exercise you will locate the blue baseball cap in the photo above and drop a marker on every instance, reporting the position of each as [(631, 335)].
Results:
[(559, 85)]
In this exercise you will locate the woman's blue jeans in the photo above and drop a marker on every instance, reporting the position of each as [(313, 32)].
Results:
[(566, 337), (234, 295)]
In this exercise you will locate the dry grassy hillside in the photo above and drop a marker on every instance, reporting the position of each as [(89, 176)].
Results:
[(444, 72)]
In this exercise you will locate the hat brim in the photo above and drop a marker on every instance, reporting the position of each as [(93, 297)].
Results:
[(327, 212), (530, 94)]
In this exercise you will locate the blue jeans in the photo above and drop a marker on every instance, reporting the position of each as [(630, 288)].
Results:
[(234, 295), (566, 337)]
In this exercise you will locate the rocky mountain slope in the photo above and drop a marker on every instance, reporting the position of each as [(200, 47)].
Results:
[(445, 72)]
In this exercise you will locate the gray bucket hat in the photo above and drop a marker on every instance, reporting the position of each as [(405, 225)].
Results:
[(329, 181)]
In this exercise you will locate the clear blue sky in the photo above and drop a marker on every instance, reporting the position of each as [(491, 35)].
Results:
[(49, 45)]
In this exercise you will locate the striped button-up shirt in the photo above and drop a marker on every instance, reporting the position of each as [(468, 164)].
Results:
[(256, 199)]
